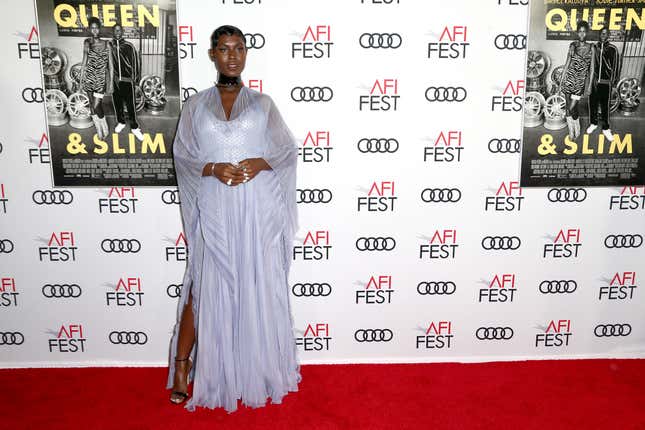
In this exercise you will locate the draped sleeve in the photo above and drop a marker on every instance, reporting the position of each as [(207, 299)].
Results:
[(281, 153), (188, 168)]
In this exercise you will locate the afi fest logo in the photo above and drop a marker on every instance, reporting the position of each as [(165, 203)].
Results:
[(315, 337), (437, 335), (315, 246), (556, 334), (69, 338), (8, 292), (186, 42), (41, 151), (620, 287), (126, 292), (178, 251), (445, 148), (443, 244), (377, 291), (380, 198), (316, 147), (316, 43), (28, 47), (500, 289), (508, 198), (452, 44), (566, 244), (61, 247), (383, 96), (119, 200), (629, 198), (511, 99), (3, 199)]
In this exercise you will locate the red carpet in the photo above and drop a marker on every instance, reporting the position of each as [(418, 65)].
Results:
[(546, 395)]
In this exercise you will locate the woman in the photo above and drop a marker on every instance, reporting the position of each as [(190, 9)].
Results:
[(577, 77), (96, 74), (235, 160)]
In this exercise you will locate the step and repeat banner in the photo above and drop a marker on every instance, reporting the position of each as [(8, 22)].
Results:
[(416, 241)]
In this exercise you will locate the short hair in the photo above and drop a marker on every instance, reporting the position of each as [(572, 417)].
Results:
[(605, 26), (582, 24), (117, 25), (228, 30)]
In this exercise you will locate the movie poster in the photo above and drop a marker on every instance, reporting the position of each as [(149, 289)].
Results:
[(111, 82), (583, 123)]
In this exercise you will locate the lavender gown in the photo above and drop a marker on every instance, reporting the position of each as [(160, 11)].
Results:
[(239, 240)]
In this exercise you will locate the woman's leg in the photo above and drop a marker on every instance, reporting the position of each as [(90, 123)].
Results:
[(570, 126), (185, 343), (575, 117)]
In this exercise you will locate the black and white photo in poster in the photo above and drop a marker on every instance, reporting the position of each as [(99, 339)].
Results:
[(583, 124), (111, 81)]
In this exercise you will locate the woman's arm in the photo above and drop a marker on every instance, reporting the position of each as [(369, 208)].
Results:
[(86, 48), (110, 77), (592, 68)]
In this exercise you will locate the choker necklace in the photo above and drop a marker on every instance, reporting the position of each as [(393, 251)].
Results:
[(228, 81)]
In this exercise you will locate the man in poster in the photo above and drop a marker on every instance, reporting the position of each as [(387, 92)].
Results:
[(127, 68), (605, 76)]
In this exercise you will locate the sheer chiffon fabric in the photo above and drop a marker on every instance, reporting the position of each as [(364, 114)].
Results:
[(239, 240)]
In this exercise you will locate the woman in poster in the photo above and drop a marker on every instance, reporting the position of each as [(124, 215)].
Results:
[(96, 74), (577, 76), (235, 160)]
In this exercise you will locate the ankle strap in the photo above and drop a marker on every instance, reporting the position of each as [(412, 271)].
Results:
[(182, 359)]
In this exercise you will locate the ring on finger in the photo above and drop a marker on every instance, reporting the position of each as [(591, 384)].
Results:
[(230, 181)]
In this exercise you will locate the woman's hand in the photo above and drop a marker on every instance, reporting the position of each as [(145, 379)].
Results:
[(250, 167), (224, 172)]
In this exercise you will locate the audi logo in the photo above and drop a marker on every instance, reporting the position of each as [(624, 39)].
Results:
[(373, 335), (33, 95), (380, 40), (61, 291), (313, 195), (498, 243), (311, 94), (187, 92), (375, 243), (436, 288), (311, 289), (610, 330), (623, 241), (510, 41), (500, 145), (174, 290), (170, 197), (120, 245), (6, 246), (446, 94), (441, 195), (52, 197), (128, 337), (254, 40), (375, 145), (494, 333), (567, 195), (11, 338), (558, 287)]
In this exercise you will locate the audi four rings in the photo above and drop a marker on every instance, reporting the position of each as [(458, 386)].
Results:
[(494, 333), (373, 335), (377, 145), (623, 241), (313, 195), (446, 94), (311, 94), (436, 287), (52, 197), (380, 40), (61, 291), (11, 338), (558, 287), (120, 245), (441, 195), (567, 195), (128, 337), (502, 145), (510, 41), (33, 95), (610, 330), (311, 289), (375, 243), (503, 243)]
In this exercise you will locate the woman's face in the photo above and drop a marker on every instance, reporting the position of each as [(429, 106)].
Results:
[(229, 55), (604, 35), (582, 34), (94, 29)]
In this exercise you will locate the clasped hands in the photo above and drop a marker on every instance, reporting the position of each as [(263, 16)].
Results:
[(235, 174)]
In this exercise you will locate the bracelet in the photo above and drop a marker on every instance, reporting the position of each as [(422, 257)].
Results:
[(212, 169)]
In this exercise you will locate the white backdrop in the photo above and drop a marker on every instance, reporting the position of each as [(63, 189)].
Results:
[(408, 304)]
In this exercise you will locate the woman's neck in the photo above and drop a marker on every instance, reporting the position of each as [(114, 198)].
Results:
[(224, 81)]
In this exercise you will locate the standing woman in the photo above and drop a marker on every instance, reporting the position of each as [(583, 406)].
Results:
[(235, 160), (96, 74), (577, 76)]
